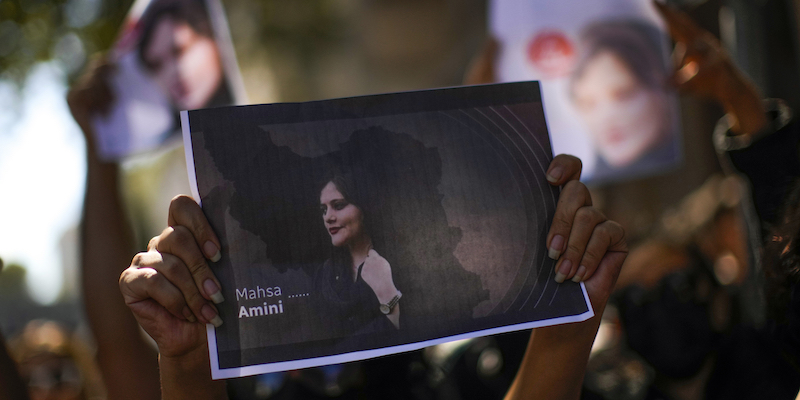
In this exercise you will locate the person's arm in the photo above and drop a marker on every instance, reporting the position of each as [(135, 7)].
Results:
[(128, 364), (188, 377), (13, 388), (170, 289), (556, 358), (377, 273), (481, 69), (704, 68)]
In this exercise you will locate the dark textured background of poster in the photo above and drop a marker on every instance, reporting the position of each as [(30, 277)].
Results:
[(470, 229)]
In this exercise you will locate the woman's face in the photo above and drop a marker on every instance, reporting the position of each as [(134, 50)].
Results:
[(625, 118), (186, 64), (344, 221)]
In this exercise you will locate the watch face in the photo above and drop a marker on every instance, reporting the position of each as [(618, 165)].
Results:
[(385, 309)]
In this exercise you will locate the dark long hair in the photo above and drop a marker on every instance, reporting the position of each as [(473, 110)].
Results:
[(637, 44), (391, 177), (192, 12)]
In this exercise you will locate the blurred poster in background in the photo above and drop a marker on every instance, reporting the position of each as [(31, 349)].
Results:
[(171, 55), (604, 68)]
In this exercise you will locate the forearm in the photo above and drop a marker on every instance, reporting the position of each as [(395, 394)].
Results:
[(128, 363), (13, 388), (189, 377), (741, 100), (555, 361)]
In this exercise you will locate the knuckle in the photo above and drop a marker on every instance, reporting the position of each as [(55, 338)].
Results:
[(127, 276), (179, 202), (573, 186), (153, 243), (175, 304), (591, 258), (169, 267), (193, 298), (574, 249), (584, 216), (197, 268), (179, 237), (561, 221), (138, 260)]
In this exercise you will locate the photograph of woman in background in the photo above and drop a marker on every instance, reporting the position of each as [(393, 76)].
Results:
[(619, 88), (179, 50)]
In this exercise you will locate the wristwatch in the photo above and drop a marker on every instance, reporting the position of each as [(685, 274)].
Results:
[(387, 308)]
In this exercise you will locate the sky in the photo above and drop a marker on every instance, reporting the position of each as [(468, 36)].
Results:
[(42, 177)]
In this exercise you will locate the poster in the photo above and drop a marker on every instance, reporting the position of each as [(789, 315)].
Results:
[(604, 68), (171, 55), (365, 226)]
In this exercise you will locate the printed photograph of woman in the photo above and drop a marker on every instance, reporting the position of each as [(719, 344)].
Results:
[(409, 223), (619, 88), (171, 55), (179, 50)]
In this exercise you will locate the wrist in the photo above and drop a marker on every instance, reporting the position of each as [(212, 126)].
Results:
[(741, 100), (188, 376), (386, 294)]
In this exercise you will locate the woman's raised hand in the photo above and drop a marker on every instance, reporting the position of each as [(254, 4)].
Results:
[(170, 288), (377, 273), (703, 68), (588, 246)]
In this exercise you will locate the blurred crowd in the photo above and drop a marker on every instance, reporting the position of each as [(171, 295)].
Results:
[(705, 306)]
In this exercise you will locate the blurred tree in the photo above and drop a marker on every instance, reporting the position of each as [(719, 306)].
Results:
[(32, 31), (12, 282)]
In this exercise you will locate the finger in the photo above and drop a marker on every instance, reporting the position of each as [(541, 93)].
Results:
[(680, 25), (152, 245), (184, 211), (139, 284), (679, 54), (574, 195), (586, 219), (602, 283), (176, 272), (179, 242), (564, 168), (481, 70), (607, 236), (695, 76)]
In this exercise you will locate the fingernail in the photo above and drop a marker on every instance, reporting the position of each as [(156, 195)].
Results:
[(555, 247), (563, 270), (213, 291), (555, 174), (211, 316), (212, 252), (579, 275), (188, 314)]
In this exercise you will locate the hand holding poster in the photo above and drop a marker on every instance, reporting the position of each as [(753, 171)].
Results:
[(365, 226), (604, 72), (171, 55)]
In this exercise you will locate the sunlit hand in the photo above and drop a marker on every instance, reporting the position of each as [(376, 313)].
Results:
[(705, 69), (170, 288), (588, 246), (92, 94), (555, 361)]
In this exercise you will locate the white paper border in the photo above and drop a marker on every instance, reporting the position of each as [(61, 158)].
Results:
[(236, 372), (187, 149)]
